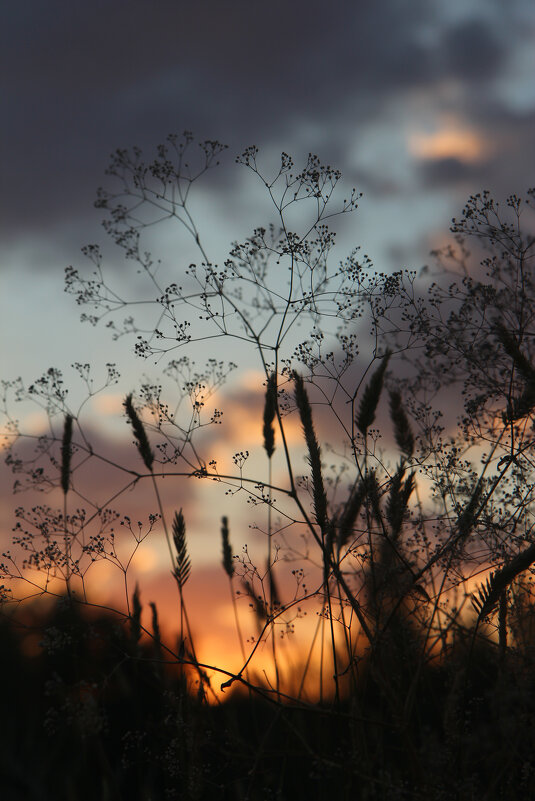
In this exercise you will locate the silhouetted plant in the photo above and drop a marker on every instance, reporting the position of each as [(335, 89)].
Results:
[(389, 530)]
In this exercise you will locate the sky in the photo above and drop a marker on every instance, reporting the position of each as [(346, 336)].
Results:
[(420, 103)]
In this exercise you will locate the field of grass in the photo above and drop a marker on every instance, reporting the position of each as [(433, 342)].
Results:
[(407, 504)]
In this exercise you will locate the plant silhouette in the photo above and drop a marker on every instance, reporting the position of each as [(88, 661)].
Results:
[(403, 692)]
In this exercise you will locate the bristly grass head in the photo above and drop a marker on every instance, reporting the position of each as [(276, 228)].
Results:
[(135, 618), (522, 405), (139, 433), (228, 562), (156, 627), (398, 499), (274, 595), (371, 395), (314, 453), (511, 347), (349, 514), (66, 454), (373, 493), (468, 516), (183, 564), (270, 410), (402, 429), (257, 603), (497, 583)]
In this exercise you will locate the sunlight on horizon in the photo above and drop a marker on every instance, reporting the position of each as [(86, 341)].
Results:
[(451, 138)]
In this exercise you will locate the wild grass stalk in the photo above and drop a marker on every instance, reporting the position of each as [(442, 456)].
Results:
[(320, 508), (270, 414), (65, 484), (229, 568), (180, 562)]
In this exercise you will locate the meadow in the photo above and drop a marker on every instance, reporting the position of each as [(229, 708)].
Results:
[(400, 519)]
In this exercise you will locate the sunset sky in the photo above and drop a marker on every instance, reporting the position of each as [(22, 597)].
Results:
[(418, 103)]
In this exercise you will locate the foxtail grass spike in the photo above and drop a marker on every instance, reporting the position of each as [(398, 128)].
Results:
[(183, 564), (349, 514), (408, 488), (371, 395), (328, 551), (468, 517), (155, 626), (398, 499), (371, 487), (257, 603), (270, 410), (228, 562), (490, 592), (394, 510), (402, 429), (139, 433), (525, 403), (314, 453), (66, 454), (135, 619), (502, 623), (274, 596), (512, 349)]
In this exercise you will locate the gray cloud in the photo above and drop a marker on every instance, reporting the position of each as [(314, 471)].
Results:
[(81, 79), (472, 51), (446, 171)]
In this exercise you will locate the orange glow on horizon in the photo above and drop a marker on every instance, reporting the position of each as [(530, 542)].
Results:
[(452, 139)]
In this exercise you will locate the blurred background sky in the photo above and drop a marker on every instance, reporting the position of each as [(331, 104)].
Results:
[(418, 102)]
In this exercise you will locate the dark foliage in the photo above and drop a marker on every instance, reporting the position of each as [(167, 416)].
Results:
[(92, 715)]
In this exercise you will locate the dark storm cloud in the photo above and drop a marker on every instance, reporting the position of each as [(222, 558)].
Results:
[(509, 166), (81, 79), (446, 171), (472, 50)]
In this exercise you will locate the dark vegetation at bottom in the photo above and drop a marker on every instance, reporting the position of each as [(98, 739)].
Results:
[(94, 715)]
